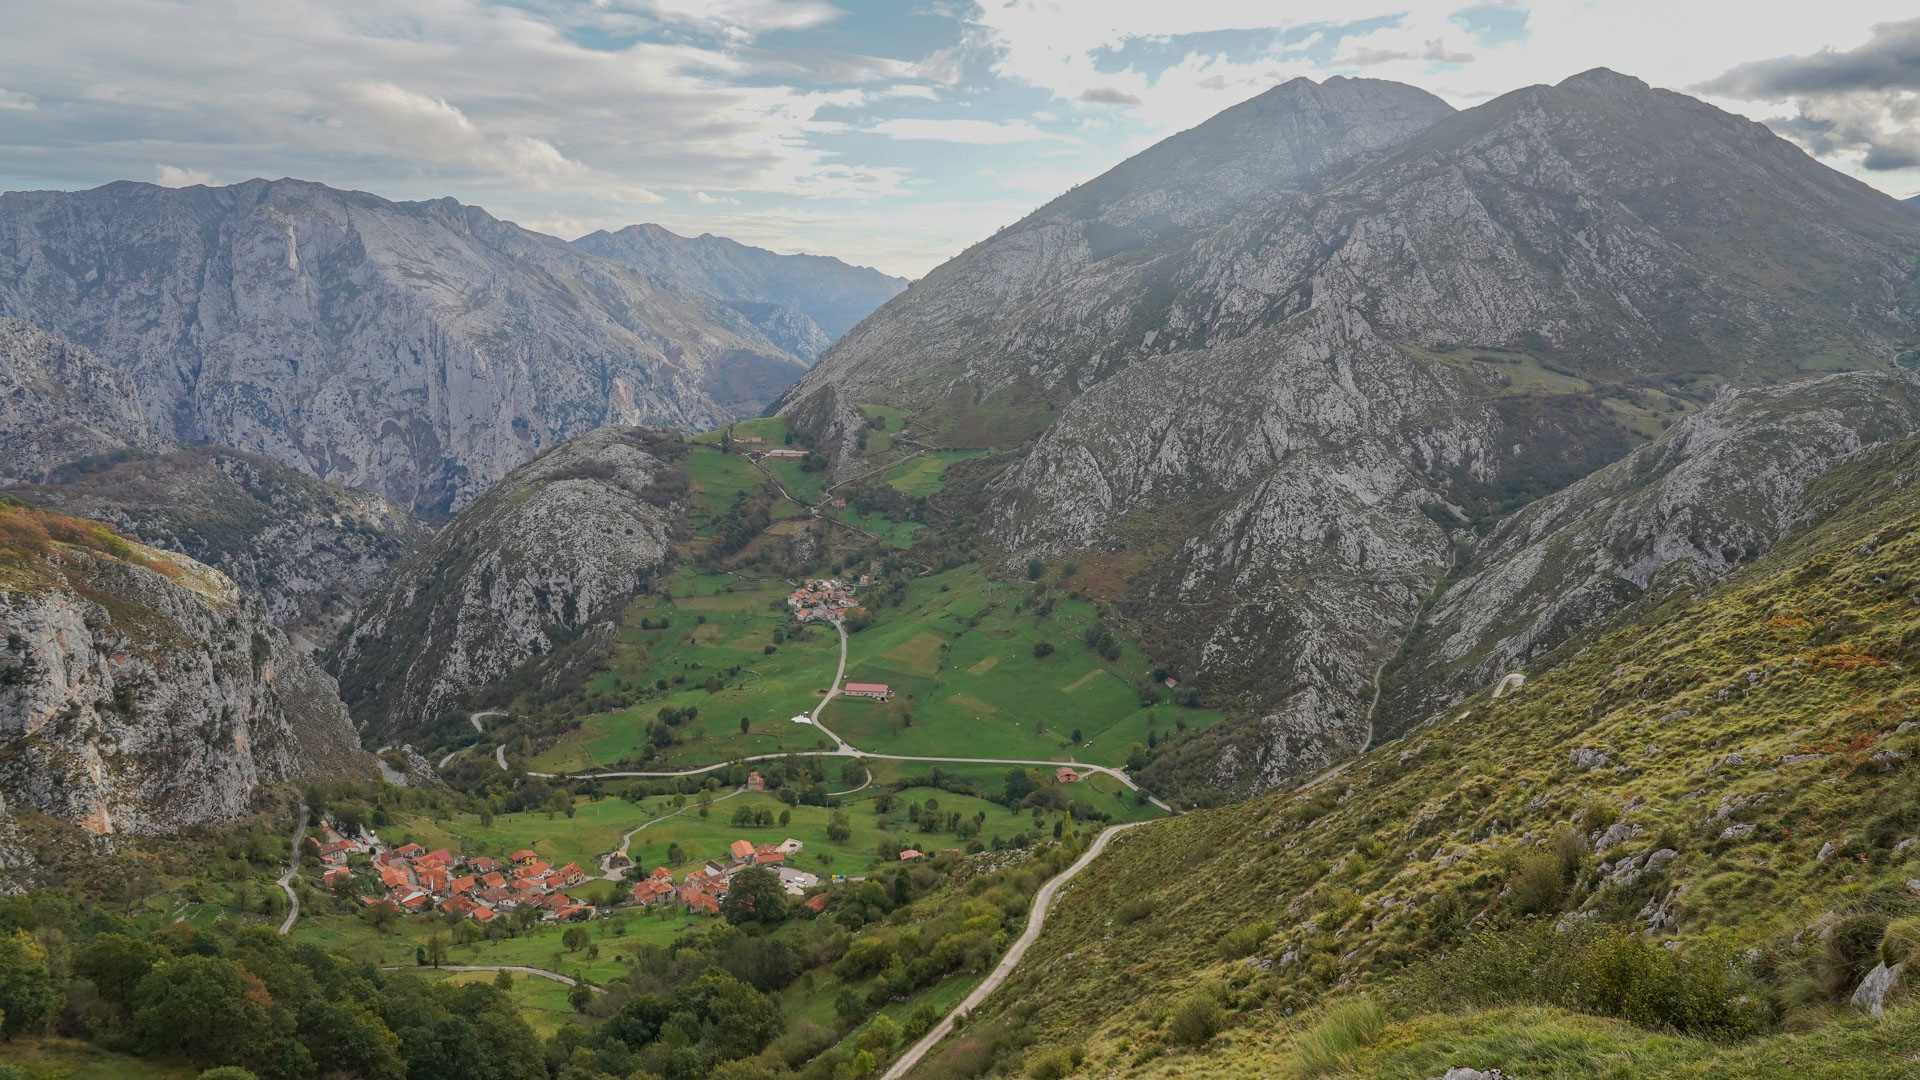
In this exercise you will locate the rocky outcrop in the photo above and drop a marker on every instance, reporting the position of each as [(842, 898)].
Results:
[(141, 692), (59, 404), (422, 350), (801, 302), (1716, 491), (546, 557), (306, 548)]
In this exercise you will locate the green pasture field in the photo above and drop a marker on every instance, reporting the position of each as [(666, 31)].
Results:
[(71, 1059), (926, 473)]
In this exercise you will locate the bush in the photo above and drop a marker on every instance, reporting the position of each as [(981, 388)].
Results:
[(1852, 948), (1346, 1027), (1244, 940), (1196, 1019), (1603, 971), (1538, 885), (1052, 1065), (1901, 943)]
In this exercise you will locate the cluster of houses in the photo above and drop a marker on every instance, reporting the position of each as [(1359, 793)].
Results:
[(703, 889), (826, 599), (414, 879)]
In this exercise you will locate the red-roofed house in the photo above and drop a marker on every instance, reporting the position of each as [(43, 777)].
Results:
[(483, 865), (533, 869), (1065, 775), (461, 884), (874, 690), (663, 872), (525, 855), (754, 783), (459, 905), (909, 855), (408, 851), (651, 890), (495, 880), (427, 862), (338, 873), (393, 877), (414, 901), (481, 914), (434, 881), (571, 874), (703, 903), (742, 849), (447, 858), (816, 903), (768, 855)]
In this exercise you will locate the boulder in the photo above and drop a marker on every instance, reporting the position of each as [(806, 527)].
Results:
[(1871, 994)]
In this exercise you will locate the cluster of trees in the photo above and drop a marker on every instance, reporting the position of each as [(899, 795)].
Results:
[(250, 1000)]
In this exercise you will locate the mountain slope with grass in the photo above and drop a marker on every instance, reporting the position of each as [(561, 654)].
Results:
[(306, 548), (541, 566), (1293, 414), (1681, 848), (142, 692)]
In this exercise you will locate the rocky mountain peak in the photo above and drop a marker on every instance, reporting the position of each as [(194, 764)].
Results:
[(1603, 80)]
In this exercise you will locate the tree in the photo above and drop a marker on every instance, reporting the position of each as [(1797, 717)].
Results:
[(503, 981), (839, 827), (115, 964), (1042, 649), (575, 938), (1196, 1019), (744, 725), (881, 1036), (756, 895), (27, 992), (786, 817), (578, 995), (203, 1008), (347, 1039), (449, 1050)]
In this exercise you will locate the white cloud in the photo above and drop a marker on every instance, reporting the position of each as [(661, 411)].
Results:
[(705, 199), (979, 132), (16, 101), (174, 176)]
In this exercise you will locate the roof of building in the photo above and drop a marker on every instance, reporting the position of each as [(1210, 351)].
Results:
[(741, 848), (866, 688)]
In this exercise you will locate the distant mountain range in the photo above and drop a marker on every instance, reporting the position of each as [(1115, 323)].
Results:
[(418, 349)]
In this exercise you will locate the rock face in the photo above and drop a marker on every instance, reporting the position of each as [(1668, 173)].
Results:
[(306, 548), (422, 350), (1715, 492), (60, 404), (140, 692), (800, 302), (547, 557), (1294, 390)]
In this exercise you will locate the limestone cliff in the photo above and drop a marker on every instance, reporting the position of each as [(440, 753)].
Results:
[(422, 350), (141, 692), (59, 404), (548, 555)]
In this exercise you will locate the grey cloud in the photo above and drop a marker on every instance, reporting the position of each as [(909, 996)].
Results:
[(1853, 101), (1890, 60), (1107, 95), (1435, 51)]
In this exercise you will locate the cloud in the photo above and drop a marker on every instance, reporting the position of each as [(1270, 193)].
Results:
[(705, 199), (1862, 103), (173, 176), (977, 132), (16, 101), (1107, 95), (1434, 50), (1889, 60)]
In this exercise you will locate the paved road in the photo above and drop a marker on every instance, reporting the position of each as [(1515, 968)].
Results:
[(566, 980), (500, 755), (293, 867), (1042, 901)]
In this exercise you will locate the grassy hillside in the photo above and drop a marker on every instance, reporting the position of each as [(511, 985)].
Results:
[(1697, 821)]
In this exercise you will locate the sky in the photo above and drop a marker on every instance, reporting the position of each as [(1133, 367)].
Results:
[(889, 133)]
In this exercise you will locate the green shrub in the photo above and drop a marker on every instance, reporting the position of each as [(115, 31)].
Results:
[(1196, 1019), (1538, 884), (1133, 910), (1604, 971), (1244, 940), (1344, 1028), (1901, 942), (1852, 947), (1052, 1065)]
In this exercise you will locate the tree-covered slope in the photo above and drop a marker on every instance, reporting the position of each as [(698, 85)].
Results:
[(1711, 800)]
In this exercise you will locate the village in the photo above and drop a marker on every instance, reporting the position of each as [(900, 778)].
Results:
[(825, 599), (415, 880)]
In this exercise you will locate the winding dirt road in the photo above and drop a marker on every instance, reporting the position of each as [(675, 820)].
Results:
[(1036, 920), (565, 980), (293, 867)]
